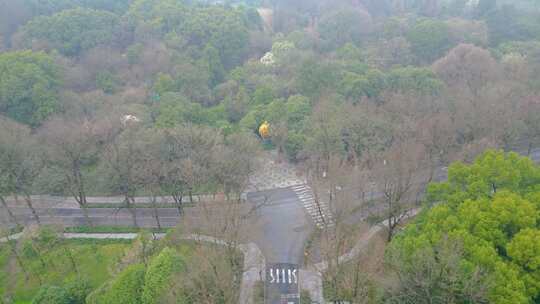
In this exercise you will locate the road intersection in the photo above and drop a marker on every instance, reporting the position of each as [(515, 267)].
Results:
[(288, 213)]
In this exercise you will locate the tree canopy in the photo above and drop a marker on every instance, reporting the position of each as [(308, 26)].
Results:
[(29, 86), (490, 210), (71, 31)]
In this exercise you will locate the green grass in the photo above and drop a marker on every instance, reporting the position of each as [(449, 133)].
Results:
[(94, 260), (111, 229), (4, 256)]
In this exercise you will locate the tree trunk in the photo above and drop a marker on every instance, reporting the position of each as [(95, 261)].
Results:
[(10, 213), (390, 232), (81, 195), (177, 197), (130, 204), (28, 201), (390, 224), (19, 260), (156, 214), (357, 278)]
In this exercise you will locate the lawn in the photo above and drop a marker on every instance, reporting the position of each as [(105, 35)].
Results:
[(93, 259), (4, 256), (60, 261)]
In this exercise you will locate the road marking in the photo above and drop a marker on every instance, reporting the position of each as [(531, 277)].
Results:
[(320, 212)]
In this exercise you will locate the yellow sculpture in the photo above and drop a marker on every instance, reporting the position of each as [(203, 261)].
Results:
[(264, 130)]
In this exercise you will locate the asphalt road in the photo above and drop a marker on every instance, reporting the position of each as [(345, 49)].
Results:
[(281, 235), (99, 216), (284, 225)]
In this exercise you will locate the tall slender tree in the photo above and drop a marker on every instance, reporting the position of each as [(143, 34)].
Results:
[(71, 145)]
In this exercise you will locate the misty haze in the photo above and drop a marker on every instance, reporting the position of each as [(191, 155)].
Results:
[(269, 151)]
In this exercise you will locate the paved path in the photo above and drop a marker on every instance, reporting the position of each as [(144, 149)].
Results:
[(274, 174)]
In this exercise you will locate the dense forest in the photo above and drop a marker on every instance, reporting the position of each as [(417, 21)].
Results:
[(393, 68), (166, 97)]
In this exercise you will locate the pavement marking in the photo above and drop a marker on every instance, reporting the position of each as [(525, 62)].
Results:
[(320, 213)]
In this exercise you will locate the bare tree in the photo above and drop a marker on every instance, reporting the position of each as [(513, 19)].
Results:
[(190, 154), (437, 135), (13, 249), (325, 130), (400, 179), (333, 198), (236, 161), (279, 136), (172, 179), (207, 279), (531, 117), (152, 167), (71, 145), (220, 228), (123, 155), (8, 209), (19, 163), (467, 68), (339, 201), (228, 220)]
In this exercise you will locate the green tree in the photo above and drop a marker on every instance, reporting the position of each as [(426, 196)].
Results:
[(29, 85), (220, 27), (72, 31), (507, 23), (158, 275), (127, 287), (215, 67), (51, 295), (429, 39), (263, 95), (349, 25), (413, 80), (107, 82), (176, 109), (78, 289), (434, 274), (315, 78), (237, 106), (485, 210), (524, 250), (164, 83), (39, 7), (298, 109)]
